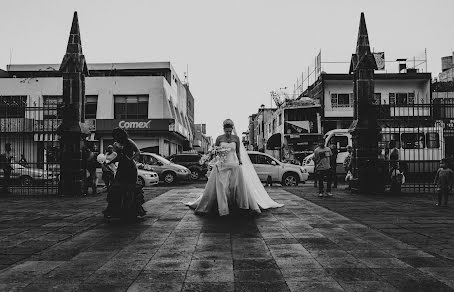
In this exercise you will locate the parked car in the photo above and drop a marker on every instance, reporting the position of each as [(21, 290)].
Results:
[(28, 176), (146, 177), (267, 167), (192, 162), (167, 171)]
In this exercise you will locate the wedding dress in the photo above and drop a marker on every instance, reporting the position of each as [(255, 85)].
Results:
[(231, 186)]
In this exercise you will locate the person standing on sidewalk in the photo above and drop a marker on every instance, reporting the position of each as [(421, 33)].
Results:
[(322, 156), (109, 169), (444, 179), (333, 164), (5, 162), (91, 164)]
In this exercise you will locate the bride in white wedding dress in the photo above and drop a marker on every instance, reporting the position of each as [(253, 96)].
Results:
[(233, 183)]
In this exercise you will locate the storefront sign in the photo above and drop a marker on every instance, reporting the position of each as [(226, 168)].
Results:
[(134, 125)]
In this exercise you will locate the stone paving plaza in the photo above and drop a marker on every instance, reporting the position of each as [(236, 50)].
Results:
[(65, 245)]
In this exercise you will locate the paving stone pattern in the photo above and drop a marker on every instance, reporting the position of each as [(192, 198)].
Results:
[(411, 218), (300, 247)]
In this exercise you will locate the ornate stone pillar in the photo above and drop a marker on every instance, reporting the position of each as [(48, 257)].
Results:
[(365, 129), (73, 131)]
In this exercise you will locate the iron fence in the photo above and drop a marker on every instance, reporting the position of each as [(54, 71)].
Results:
[(29, 125), (423, 134)]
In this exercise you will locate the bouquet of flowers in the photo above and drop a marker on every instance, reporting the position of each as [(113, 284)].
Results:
[(215, 156)]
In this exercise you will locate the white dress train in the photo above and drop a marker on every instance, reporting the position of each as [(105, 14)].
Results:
[(231, 185)]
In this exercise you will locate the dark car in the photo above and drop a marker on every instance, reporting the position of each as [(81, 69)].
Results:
[(192, 162)]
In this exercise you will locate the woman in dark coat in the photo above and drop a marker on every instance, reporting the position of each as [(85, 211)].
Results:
[(124, 198)]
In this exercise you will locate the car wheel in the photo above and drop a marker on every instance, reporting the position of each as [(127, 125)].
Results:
[(140, 182), (169, 178), (26, 181), (195, 174), (290, 180)]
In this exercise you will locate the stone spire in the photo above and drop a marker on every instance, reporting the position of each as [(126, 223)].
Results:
[(363, 56), (364, 128), (73, 131), (74, 60)]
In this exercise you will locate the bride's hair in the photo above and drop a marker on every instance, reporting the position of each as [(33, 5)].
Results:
[(228, 124)]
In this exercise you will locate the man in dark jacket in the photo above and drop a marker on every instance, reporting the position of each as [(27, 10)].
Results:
[(333, 163), (5, 163), (91, 165)]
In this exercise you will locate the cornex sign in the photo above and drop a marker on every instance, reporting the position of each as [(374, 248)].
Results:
[(134, 125)]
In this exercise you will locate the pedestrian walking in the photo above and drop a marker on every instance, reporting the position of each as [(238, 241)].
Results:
[(444, 179), (125, 198), (91, 164), (322, 156), (348, 165), (109, 169), (5, 162), (333, 164), (23, 160)]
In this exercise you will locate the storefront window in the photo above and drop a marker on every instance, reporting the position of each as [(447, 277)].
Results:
[(131, 106)]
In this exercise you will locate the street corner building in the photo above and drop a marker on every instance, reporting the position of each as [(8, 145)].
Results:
[(146, 99)]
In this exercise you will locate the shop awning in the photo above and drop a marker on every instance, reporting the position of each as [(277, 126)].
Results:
[(300, 124), (274, 142)]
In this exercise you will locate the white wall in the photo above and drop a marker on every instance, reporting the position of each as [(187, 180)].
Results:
[(420, 87), (156, 87)]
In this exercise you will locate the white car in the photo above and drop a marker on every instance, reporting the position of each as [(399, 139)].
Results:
[(308, 163), (268, 168), (28, 176), (146, 177)]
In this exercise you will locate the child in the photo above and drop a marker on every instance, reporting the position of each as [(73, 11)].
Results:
[(444, 180), (322, 158), (397, 178)]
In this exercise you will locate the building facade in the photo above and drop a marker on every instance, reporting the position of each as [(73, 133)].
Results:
[(335, 94), (146, 99), (262, 129), (202, 142)]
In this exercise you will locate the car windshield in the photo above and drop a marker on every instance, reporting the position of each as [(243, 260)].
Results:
[(162, 159)]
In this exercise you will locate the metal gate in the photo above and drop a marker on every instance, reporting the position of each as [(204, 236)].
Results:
[(419, 133), (29, 125)]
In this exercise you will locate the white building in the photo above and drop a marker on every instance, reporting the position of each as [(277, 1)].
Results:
[(399, 90), (147, 99)]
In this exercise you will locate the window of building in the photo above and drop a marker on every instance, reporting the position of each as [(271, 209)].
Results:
[(377, 98), (274, 125), (404, 98), (91, 106), (412, 141), (280, 119), (433, 140), (131, 106), (12, 106), (341, 100), (52, 107)]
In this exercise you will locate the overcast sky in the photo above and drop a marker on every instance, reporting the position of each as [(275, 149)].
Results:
[(237, 50)]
